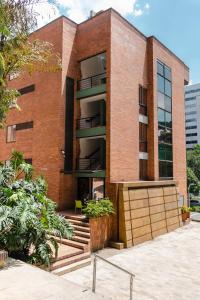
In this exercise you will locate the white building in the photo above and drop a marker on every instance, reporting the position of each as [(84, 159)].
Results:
[(192, 115)]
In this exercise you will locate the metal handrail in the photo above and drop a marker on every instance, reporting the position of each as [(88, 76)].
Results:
[(113, 265), (91, 81)]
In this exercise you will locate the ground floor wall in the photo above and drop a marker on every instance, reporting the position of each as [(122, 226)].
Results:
[(144, 210)]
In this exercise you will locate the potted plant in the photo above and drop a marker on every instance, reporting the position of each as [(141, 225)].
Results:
[(98, 212), (185, 212)]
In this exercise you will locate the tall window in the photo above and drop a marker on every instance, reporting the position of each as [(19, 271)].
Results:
[(11, 133), (143, 137), (143, 100), (164, 86)]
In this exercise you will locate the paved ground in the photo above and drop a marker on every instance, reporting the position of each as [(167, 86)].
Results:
[(23, 282), (167, 268), (195, 216)]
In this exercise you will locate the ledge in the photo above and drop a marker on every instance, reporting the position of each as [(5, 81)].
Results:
[(139, 184)]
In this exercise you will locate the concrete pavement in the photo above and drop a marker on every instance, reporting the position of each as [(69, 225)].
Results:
[(167, 268), (21, 281)]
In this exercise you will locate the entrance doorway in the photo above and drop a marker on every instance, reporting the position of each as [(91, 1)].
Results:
[(91, 188)]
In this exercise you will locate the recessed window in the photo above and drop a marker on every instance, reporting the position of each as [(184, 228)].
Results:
[(29, 161), (23, 126), (143, 137), (27, 89), (143, 100), (143, 169), (11, 133)]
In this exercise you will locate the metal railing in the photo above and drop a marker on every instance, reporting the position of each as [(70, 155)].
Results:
[(88, 122), (89, 164), (92, 81), (113, 265)]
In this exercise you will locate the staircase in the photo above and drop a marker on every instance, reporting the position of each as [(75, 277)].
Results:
[(75, 253)]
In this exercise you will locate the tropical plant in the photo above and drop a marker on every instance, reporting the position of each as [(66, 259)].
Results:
[(18, 52), (28, 219), (193, 169), (98, 208)]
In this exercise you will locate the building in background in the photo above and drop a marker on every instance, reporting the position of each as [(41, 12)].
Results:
[(112, 123), (192, 115)]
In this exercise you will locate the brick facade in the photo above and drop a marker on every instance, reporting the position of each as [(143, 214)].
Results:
[(130, 60)]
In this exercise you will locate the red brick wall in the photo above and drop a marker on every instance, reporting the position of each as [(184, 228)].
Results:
[(128, 70)]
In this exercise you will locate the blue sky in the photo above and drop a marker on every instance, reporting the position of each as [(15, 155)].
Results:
[(176, 23)]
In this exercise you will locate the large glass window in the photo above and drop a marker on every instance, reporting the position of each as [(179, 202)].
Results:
[(164, 98)]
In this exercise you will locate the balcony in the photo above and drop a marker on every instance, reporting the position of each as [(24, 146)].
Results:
[(91, 86), (91, 159), (90, 126)]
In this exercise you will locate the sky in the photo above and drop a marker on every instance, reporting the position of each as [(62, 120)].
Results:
[(176, 23)]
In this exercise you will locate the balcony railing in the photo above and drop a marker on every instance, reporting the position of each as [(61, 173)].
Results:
[(92, 81), (89, 164), (89, 122)]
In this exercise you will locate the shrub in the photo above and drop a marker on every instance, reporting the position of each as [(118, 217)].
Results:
[(98, 208), (28, 219)]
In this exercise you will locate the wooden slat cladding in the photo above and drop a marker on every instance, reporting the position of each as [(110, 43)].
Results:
[(148, 212)]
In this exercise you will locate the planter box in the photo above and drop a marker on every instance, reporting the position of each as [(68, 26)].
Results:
[(184, 216), (3, 258), (100, 229)]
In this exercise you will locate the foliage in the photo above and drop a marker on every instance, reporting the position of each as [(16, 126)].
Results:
[(18, 52), (98, 208), (196, 209), (193, 170), (185, 209), (28, 221)]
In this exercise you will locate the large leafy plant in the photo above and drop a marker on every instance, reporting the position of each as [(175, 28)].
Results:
[(28, 219), (98, 208)]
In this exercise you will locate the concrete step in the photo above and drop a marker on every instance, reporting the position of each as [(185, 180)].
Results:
[(73, 216), (69, 261), (72, 243), (81, 228), (72, 267), (65, 251), (82, 233), (78, 222), (81, 239)]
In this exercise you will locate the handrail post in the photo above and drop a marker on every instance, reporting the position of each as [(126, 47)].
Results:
[(94, 275), (131, 287)]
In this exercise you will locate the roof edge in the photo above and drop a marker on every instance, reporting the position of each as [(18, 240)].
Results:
[(170, 51)]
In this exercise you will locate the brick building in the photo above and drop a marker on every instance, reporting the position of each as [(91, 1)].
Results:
[(114, 114)]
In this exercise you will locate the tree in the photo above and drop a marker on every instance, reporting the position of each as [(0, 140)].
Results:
[(17, 52), (28, 220), (193, 169)]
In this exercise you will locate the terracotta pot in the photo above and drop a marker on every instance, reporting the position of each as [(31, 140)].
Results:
[(184, 216), (188, 214), (99, 232)]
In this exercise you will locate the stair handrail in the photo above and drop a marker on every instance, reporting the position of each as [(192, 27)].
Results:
[(96, 256), (94, 152)]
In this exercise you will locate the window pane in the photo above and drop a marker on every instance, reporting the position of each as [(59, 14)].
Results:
[(161, 117), (161, 100), (168, 136), (168, 104), (164, 135), (161, 150), (11, 133), (160, 68), (161, 84), (168, 73), (168, 152), (165, 169), (168, 88), (168, 119)]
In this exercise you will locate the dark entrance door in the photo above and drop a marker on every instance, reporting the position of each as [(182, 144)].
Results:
[(84, 189)]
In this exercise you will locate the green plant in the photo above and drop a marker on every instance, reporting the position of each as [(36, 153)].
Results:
[(28, 220), (196, 209), (185, 209), (98, 208)]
